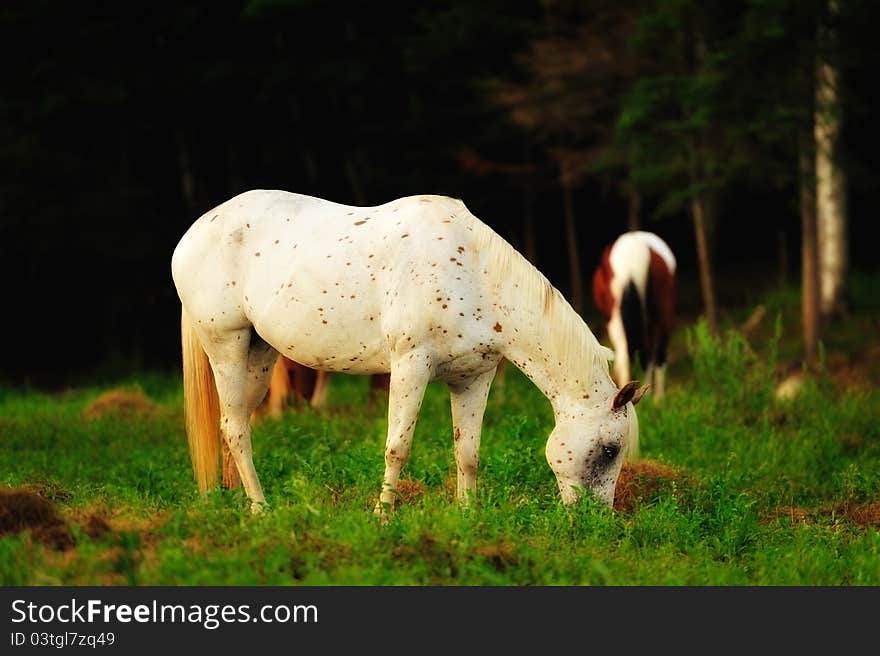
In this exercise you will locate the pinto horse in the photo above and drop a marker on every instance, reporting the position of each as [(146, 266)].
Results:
[(634, 289), (417, 287)]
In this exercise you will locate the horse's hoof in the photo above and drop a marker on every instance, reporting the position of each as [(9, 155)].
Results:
[(258, 507), (383, 512)]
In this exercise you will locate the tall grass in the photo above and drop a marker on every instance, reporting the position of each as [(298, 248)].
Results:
[(762, 492)]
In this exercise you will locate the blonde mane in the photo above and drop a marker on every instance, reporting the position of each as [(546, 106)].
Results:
[(562, 330)]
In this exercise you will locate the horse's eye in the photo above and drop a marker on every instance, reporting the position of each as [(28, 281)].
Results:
[(610, 451)]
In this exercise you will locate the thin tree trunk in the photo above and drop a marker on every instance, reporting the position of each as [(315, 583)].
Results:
[(831, 214), (809, 254), (707, 283), (571, 239), (702, 209)]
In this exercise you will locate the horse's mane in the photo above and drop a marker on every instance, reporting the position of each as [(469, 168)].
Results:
[(562, 331)]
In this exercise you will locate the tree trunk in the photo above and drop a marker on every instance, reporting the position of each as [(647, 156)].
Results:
[(809, 253), (702, 219), (830, 184), (571, 239)]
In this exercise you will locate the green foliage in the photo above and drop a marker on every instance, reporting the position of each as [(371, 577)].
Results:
[(759, 497), (740, 380)]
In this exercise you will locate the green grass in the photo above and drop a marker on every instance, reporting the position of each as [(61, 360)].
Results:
[(766, 493)]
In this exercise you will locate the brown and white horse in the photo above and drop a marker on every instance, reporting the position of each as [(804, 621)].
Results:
[(634, 289)]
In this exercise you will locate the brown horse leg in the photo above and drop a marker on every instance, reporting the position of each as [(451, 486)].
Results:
[(379, 384), (319, 395), (230, 479)]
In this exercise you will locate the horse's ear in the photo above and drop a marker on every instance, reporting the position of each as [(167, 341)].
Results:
[(629, 392), (640, 393)]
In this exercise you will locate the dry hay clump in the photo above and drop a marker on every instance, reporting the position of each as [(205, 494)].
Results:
[(863, 514), (409, 492), (30, 508), (641, 481), (22, 510), (123, 402)]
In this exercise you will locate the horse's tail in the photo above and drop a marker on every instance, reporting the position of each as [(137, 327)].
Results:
[(201, 407)]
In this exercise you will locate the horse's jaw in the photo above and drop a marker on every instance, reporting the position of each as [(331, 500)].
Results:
[(576, 453), (572, 490)]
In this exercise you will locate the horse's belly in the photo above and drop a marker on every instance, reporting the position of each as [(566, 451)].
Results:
[(455, 368), (317, 335)]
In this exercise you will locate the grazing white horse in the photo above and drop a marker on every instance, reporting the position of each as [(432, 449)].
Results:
[(417, 287)]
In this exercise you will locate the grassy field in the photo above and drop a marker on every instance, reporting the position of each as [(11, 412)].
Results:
[(732, 487)]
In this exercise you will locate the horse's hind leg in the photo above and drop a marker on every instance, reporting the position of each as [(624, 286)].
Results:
[(409, 378), (241, 377), (229, 478), (319, 395), (262, 372), (379, 384), (468, 405), (279, 389)]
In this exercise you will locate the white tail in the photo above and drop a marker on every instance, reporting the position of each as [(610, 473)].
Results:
[(201, 407)]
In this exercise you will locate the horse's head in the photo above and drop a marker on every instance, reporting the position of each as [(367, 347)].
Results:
[(586, 450)]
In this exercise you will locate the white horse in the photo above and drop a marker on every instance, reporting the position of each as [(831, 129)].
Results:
[(417, 287)]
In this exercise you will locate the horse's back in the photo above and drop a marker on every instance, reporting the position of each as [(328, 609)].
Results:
[(260, 237), (660, 247), (629, 259), (335, 286)]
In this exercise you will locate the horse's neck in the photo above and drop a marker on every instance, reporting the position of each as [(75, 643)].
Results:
[(568, 385)]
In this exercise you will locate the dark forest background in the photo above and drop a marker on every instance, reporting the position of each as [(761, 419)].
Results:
[(121, 123)]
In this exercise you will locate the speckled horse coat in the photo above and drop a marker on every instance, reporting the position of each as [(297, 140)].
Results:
[(417, 287)]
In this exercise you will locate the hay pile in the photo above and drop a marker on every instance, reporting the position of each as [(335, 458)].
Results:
[(126, 403)]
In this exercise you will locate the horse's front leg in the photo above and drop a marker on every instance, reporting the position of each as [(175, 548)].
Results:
[(617, 336), (410, 375), (468, 405)]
